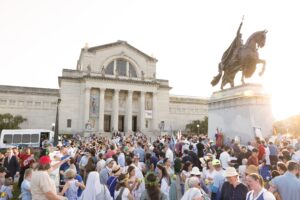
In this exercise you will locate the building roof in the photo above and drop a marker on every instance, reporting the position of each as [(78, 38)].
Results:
[(119, 42), (28, 90), (188, 99)]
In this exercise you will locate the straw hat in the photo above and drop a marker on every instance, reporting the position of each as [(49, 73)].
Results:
[(230, 171), (252, 169), (116, 170)]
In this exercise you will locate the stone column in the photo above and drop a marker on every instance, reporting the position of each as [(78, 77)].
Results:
[(101, 110), (154, 111), (87, 106), (142, 111), (129, 111), (116, 110)]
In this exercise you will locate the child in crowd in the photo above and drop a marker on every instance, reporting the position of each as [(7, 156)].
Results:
[(71, 185), (6, 189), (25, 186)]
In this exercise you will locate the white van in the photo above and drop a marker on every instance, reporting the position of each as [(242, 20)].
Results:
[(25, 137)]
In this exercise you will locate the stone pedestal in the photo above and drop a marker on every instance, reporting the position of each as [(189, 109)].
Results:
[(240, 111)]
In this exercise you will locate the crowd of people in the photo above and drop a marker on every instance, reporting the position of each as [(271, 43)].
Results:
[(169, 168)]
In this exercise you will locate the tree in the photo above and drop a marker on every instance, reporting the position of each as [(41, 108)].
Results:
[(8, 121), (198, 126), (290, 125)]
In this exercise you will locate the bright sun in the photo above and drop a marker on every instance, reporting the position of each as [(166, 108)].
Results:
[(285, 97)]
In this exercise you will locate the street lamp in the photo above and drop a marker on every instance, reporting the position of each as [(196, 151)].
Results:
[(56, 123), (198, 126)]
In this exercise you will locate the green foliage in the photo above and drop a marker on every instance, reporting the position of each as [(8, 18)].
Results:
[(290, 125), (8, 121), (202, 129)]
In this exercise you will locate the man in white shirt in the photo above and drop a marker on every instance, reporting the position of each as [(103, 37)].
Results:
[(225, 158), (169, 153), (100, 163)]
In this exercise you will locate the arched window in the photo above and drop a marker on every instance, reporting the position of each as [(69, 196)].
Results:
[(110, 68), (122, 67), (132, 72)]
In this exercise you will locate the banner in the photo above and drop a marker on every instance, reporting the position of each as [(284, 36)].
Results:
[(148, 114)]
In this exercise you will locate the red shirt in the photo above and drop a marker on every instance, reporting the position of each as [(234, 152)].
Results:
[(252, 160), (110, 153), (261, 151), (25, 157)]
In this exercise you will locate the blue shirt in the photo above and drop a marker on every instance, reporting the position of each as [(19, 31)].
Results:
[(104, 174), (288, 186), (141, 152), (79, 179), (111, 185), (273, 150), (64, 166), (25, 189), (121, 159)]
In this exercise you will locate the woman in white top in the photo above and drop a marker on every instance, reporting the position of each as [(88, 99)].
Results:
[(122, 188), (209, 173), (168, 166), (94, 190), (133, 182), (185, 174), (258, 192), (165, 180)]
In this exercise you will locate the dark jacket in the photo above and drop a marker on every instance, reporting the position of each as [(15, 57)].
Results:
[(12, 166), (228, 192)]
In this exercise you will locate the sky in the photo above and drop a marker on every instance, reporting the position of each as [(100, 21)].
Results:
[(40, 38)]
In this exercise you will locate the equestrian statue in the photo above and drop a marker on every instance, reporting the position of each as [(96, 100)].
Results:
[(241, 57)]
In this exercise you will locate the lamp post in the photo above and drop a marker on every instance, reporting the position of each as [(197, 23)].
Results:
[(198, 125), (56, 124)]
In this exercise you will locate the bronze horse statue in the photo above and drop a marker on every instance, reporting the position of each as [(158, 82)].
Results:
[(239, 57)]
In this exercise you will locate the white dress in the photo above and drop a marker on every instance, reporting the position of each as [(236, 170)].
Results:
[(165, 187)]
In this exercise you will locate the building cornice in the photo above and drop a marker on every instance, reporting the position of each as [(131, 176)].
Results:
[(116, 80), (28, 90)]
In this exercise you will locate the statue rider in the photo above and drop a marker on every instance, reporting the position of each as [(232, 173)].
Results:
[(230, 56)]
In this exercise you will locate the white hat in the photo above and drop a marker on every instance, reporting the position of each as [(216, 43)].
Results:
[(230, 171), (108, 161), (195, 171)]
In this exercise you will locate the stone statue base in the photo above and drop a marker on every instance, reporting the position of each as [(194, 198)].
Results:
[(242, 112)]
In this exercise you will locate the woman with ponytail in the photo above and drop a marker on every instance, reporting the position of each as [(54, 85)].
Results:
[(256, 185)]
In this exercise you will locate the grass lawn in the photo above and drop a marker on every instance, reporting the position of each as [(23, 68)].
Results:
[(16, 191)]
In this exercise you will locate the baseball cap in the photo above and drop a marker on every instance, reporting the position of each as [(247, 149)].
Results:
[(44, 160), (216, 162)]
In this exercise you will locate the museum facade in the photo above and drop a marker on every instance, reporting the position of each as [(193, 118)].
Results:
[(113, 88)]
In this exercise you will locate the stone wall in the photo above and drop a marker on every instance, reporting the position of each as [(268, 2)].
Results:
[(184, 110), (37, 105)]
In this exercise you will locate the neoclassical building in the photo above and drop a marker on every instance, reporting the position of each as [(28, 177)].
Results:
[(113, 88)]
